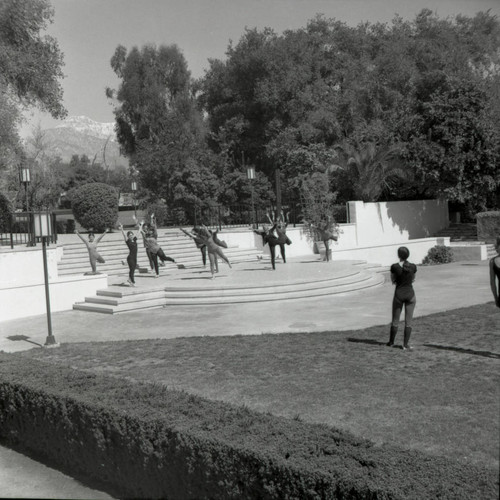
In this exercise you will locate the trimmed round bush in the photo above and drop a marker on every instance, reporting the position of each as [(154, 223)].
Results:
[(5, 214), (439, 254), (95, 206)]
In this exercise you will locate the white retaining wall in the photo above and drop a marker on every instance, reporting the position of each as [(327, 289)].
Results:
[(22, 283), (397, 221)]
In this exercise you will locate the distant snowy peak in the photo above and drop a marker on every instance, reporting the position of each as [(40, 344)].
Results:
[(87, 126)]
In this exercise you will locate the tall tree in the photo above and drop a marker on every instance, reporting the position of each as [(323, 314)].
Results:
[(30, 63), (158, 124)]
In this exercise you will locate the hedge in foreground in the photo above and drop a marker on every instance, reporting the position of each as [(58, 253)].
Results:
[(146, 441)]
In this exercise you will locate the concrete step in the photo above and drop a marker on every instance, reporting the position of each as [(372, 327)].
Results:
[(116, 267), (116, 299)]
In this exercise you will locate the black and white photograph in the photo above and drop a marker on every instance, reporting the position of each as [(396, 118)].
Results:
[(250, 249)]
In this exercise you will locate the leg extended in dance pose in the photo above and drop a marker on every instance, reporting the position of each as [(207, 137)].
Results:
[(94, 255), (213, 249)]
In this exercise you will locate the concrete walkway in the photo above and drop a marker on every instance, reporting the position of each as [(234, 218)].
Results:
[(438, 288)]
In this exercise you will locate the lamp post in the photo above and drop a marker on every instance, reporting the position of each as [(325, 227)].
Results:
[(134, 190), (25, 178), (43, 226), (251, 177), (278, 191)]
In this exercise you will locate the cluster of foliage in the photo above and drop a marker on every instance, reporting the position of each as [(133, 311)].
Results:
[(5, 213), (392, 111), (318, 204), (95, 206), (30, 70), (213, 450), (440, 254)]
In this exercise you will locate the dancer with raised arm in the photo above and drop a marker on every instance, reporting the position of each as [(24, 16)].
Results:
[(213, 249), (200, 243), (150, 240), (279, 225), (325, 233), (91, 244), (269, 238), (131, 242), (403, 276)]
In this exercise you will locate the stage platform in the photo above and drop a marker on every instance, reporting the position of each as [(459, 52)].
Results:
[(245, 282)]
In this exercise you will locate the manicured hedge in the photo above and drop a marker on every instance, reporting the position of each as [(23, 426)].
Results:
[(147, 441), (488, 226), (439, 254)]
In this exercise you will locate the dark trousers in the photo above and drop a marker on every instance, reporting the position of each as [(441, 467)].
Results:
[(132, 264), (408, 302)]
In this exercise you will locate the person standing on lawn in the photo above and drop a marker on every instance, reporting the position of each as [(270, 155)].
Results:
[(131, 242), (403, 276), (91, 245), (495, 274)]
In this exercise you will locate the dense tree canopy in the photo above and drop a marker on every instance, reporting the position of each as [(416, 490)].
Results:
[(288, 101)]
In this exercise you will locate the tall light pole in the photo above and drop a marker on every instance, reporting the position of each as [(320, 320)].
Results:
[(43, 229), (134, 190), (25, 178), (251, 177)]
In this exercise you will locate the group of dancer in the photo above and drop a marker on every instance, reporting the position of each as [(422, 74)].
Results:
[(205, 239)]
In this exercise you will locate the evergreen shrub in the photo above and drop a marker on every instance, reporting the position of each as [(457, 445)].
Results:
[(488, 226), (5, 214), (440, 254), (95, 206), (147, 441)]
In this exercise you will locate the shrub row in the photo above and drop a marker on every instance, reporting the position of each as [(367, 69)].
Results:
[(147, 441)]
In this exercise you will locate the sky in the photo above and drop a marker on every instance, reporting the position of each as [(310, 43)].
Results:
[(88, 32)]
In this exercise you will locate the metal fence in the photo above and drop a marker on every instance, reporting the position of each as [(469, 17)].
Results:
[(246, 215), (22, 230)]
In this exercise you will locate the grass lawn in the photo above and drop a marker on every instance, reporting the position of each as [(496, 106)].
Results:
[(442, 398)]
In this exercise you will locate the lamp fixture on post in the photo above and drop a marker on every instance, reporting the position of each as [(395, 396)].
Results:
[(134, 190), (43, 230), (251, 177), (25, 178)]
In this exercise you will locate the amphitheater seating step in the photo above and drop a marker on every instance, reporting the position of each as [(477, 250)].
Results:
[(114, 251), (253, 281), (460, 232)]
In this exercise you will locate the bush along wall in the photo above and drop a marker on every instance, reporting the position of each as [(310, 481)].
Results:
[(439, 254), (488, 226), (146, 441)]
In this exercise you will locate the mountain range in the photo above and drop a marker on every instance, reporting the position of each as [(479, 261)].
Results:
[(80, 135)]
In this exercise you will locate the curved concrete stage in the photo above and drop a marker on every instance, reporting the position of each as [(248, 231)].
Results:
[(245, 282)]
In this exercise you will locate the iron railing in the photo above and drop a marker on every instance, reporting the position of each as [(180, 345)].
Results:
[(21, 230)]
